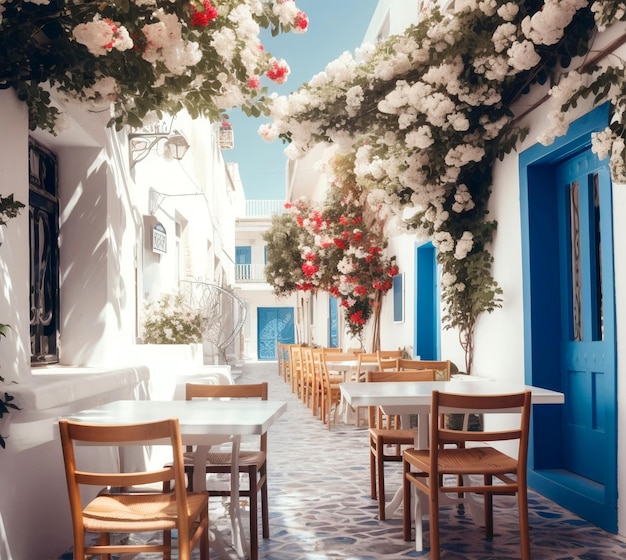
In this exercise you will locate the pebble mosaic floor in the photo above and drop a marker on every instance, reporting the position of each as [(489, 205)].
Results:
[(320, 507)]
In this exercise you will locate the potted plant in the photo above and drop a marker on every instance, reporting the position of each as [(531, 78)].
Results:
[(170, 320)]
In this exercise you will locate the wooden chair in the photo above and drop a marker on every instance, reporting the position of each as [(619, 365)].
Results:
[(365, 361), (317, 400), (132, 511), (331, 393), (307, 376), (388, 359), (442, 367), (295, 368), (251, 462), (426, 469), (386, 432), (286, 360)]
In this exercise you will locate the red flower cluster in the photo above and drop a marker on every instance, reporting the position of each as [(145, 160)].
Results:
[(253, 82), (309, 268), (301, 22), (203, 18), (357, 318), (278, 72)]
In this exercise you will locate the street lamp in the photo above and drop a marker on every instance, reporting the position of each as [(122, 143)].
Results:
[(174, 145)]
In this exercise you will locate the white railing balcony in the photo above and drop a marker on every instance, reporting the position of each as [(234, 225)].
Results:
[(249, 273), (264, 208)]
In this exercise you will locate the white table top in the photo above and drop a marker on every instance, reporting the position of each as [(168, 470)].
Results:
[(196, 417), (419, 393)]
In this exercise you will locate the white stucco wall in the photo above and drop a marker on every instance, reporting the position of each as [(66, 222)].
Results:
[(101, 251), (14, 261)]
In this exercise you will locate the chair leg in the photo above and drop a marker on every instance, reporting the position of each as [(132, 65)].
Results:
[(254, 513), (524, 529), (380, 471), (265, 513), (204, 543), (406, 501), (433, 518), (167, 541), (488, 504), (373, 490)]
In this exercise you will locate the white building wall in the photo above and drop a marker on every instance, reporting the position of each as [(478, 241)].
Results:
[(14, 262), (104, 262)]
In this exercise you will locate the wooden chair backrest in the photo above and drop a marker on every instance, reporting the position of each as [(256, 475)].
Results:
[(442, 367), (247, 390), (295, 359), (307, 360), (389, 353), (387, 359), (113, 434), (362, 359), (449, 403), (376, 418)]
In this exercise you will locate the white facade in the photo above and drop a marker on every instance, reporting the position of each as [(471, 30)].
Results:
[(108, 271)]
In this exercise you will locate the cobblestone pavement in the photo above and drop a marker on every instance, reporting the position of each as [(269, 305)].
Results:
[(320, 507)]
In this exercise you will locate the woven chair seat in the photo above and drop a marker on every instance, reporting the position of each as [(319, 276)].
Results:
[(473, 460), (246, 458), (393, 437), (151, 512)]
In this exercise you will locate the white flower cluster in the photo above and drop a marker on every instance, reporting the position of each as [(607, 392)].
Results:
[(546, 26), (101, 36), (617, 162), (170, 321), (165, 43), (608, 11), (464, 245), (462, 199)]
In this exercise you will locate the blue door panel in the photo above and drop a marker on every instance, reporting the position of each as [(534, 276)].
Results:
[(426, 298), (275, 324), (333, 319)]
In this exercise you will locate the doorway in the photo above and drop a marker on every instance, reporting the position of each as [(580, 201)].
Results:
[(569, 316), (275, 324)]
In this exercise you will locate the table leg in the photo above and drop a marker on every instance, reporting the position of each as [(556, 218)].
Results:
[(239, 541), (421, 442)]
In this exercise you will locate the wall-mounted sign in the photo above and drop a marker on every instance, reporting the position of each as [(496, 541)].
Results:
[(159, 239), (226, 138)]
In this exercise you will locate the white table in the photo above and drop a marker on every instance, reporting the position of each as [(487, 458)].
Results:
[(202, 423), (405, 398), (348, 368)]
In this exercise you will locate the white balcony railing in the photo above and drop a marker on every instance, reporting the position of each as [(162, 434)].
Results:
[(264, 208), (249, 273)]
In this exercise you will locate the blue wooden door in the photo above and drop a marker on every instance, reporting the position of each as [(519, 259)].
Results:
[(587, 333), (333, 323), (569, 321), (275, 324), (426, 303)]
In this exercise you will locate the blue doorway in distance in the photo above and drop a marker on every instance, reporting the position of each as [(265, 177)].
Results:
[(275, 324), (426, 317)]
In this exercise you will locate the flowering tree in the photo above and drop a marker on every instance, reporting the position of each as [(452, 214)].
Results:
[(142, 55), (284, 240), (427, 113), (341, 251)]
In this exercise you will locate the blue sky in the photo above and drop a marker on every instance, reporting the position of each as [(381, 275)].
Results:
[(335, 26)]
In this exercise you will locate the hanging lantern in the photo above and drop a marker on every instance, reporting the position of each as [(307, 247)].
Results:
[(226, 136)]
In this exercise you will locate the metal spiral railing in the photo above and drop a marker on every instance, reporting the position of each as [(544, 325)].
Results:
[(225, 311)]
